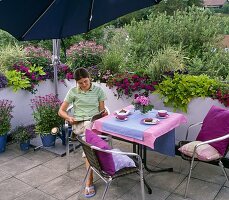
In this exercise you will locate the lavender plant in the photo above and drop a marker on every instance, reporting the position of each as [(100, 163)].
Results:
[(6, 109), (45, 113)]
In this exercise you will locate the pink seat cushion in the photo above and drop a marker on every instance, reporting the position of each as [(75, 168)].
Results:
[(105, 159), (204, 152), (215, 124)]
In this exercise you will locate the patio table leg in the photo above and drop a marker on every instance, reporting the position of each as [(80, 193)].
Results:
[(144, 161)]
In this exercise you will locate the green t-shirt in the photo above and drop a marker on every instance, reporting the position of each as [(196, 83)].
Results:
[(85, 104)]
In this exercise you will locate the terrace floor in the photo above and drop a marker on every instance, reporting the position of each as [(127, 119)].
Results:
[(41, 175)]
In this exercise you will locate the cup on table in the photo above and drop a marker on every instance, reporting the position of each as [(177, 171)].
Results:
[(121, 115), (162, 113)]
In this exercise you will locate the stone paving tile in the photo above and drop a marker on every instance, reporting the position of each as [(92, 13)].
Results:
[(135, 193), (177, 197), (40, 155), (8, 155), (199, 190), (4, 175), (12, 188), (47, 171), (38, 175), (16, 148), (79, 173), (61, 187), (35, 195), (60, 163), (179, 165), (165, 180), (18, 165), (117, 189), (223, 194), (208, 172)]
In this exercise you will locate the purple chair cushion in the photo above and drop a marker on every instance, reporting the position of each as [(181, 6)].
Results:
[(105, 159), (215, 124)]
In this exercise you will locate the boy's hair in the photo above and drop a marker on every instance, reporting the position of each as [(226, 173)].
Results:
[(81, 73)]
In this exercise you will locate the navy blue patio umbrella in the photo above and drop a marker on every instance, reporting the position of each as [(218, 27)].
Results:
[(55, 19)]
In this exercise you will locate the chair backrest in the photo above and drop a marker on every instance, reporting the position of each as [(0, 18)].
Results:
[(90, 154)]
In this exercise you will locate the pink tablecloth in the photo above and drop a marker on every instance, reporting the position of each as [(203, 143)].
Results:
[(151, 133)]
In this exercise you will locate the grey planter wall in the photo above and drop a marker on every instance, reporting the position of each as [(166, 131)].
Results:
[(197, 109)]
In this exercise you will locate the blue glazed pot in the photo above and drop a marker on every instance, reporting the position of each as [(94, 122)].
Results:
[(48, 140), (24, 146), (63, 135), (3, 139)]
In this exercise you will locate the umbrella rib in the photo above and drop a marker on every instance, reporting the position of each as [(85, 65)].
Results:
[(38, 19), (90, 19)]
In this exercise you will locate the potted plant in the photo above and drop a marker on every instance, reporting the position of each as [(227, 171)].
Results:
[(45, 113), (6, 109), (22, 135)]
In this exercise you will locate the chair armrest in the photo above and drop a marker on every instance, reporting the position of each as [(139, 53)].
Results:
[(208, 142), (213, 140), (121, 153), (191, 126)]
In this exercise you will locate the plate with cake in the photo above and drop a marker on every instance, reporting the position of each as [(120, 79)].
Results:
[(150, 121)]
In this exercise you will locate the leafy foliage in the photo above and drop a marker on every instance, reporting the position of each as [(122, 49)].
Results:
[(190, 35), (25, 77), (214, 64), (177, 92), (9, 55), (23, 133), (84, 54)]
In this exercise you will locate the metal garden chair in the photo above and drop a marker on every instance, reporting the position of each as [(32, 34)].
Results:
[(90, 152)]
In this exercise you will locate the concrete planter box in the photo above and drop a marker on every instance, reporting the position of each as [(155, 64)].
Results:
[(197, 109)]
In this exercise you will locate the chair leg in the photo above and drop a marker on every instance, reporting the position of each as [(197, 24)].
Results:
[(142, 184), (189, 176), (67, 154), (224, 171), (84, 182), (106, 188), (181, 163)]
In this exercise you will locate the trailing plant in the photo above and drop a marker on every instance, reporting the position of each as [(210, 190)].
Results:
[(45, 113), (222, 94), (25, 77), (178, 91), (6, 109), (17, 80), (127, 84), (3, 81)]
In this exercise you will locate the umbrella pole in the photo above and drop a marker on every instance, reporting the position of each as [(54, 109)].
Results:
[(56, 62)]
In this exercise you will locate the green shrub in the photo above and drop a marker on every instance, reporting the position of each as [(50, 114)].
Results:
[(214, 63), (178, 91), (9, 55)]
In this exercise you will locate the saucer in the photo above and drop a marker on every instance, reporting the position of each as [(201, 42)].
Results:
[(153, 122), (166, 116), (121, 120)]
